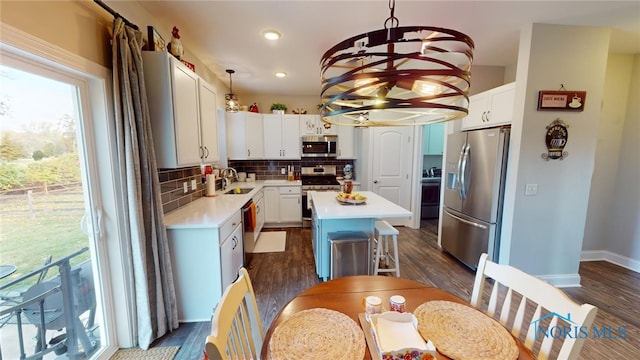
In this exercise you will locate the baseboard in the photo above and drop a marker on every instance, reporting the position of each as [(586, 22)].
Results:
[(603, 255), (562, 281)]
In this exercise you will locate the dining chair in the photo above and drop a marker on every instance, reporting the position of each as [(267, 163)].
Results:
[(558, 307), (236, 328)]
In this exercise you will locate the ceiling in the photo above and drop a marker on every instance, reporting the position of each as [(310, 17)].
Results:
[(228, 34)]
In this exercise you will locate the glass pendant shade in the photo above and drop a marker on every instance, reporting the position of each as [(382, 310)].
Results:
[(231, 99), (231, 103), (400, 76)]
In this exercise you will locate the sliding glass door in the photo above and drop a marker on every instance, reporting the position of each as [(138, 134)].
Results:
[(58, 213)]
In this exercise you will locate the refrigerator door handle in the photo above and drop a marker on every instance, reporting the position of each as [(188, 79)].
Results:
[(466, 221), (459, 179), (463, 172)]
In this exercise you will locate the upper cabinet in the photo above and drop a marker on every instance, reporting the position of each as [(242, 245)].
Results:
[(490, 108), (178, 109), (313, 125), (245, 136), (346, 141), (281, 136), (433, 139), (208, 122)]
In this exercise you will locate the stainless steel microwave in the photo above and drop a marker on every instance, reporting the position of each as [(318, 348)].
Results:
[(320, 146)]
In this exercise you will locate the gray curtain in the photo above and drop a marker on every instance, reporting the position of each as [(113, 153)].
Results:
[(154, 291)]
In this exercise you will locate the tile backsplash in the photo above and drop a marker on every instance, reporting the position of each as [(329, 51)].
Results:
[(172, 180), (172, 187), (270, 169)]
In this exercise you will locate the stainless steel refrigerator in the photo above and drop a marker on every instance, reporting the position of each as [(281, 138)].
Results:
[(476, 163)]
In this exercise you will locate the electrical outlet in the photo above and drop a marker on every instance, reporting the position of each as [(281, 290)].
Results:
[(283, 171), (531, 190), (185, 185), (194, 185)]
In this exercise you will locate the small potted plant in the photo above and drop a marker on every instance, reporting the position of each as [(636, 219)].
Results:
[(278, 108)]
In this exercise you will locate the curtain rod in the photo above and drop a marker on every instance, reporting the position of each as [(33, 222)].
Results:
[(115, 14)]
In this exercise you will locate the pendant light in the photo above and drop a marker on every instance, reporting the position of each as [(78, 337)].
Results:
[(231, 99), (410, 75)]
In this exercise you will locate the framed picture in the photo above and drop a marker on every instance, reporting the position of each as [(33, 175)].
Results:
[(561, 100), (156, 42)]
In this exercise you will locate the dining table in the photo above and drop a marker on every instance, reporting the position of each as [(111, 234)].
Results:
[(345, 295)]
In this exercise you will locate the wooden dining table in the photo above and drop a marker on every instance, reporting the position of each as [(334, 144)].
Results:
[(345, 295)]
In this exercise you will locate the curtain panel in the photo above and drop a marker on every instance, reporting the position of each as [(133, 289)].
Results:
[(154, 291)]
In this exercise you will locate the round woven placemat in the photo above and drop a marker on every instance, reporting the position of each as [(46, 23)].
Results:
[(464, 333), (317, 334)]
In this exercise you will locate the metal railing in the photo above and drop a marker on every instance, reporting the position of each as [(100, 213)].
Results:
[(18, 306)]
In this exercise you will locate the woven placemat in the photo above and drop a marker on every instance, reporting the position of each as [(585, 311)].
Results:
[(464, 333), (317, 334)]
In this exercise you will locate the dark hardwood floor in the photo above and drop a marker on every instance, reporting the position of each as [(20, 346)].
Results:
[(278, 277)]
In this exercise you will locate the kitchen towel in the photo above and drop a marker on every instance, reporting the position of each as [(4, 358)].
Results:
[(252, 217)]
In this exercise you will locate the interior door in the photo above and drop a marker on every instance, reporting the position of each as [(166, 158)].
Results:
[(391, 170)]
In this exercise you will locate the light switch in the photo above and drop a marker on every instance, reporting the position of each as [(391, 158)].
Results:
[(194, 184), (186, 187), (531, 190)]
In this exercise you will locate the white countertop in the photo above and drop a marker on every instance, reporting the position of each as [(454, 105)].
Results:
[(327, 207), (212, 212)]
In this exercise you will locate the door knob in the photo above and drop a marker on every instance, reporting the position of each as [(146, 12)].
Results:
[(375, 181)]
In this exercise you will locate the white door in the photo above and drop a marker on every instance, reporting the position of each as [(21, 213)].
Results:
[(272, 136), (391, 168), (185, 101), (208, 122)]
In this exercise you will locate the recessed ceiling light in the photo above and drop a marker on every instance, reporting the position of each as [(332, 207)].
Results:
[(281, 74), (271, 35)]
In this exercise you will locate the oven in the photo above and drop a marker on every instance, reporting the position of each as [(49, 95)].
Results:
[(316, 178), (319, 146)]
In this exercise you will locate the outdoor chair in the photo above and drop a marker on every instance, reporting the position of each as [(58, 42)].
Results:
[(558, 307)]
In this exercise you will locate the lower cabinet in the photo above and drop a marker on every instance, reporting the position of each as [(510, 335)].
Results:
[(283, 206), (204, 261), (231, 256)]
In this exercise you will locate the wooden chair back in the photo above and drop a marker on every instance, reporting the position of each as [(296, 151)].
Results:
[(557, 305), (236, 328)]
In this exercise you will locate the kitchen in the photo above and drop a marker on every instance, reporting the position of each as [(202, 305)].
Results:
[(613, 251)]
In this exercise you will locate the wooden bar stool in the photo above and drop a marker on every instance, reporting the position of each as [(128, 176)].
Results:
[(383, 234)]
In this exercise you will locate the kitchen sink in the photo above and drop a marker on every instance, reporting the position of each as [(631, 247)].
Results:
[(233, 191)]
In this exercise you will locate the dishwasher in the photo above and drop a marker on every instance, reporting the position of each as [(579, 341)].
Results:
[(350, 252)]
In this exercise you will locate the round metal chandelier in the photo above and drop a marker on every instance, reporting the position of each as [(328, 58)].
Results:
[(411, 75)]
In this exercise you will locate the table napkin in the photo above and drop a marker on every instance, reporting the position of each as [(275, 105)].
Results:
[(396, 331)]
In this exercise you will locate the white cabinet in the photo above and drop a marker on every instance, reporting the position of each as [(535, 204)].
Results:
[(433, 139), (346, 142), (490, 108), (313, 125), (173, 92), (231, 256), (244, 136), (208, 122), (200, 270), (281, 136), (283, 205)]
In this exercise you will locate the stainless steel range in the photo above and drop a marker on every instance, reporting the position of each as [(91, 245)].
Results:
[(316, 178)]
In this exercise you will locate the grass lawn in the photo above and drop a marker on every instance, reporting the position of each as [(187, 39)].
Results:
[(54, 229)]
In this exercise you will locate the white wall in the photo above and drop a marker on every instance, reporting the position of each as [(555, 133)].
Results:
[(610, 127), (542, 234), (623, 235)]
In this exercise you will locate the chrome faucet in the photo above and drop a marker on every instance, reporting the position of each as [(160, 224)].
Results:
[(228, 179)]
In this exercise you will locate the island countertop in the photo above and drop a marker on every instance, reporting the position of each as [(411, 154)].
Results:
[(327, 207)]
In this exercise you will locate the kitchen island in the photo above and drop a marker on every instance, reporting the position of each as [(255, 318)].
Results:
[(330, 215)]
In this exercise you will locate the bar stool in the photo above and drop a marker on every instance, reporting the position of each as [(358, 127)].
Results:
[(383, 234)]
